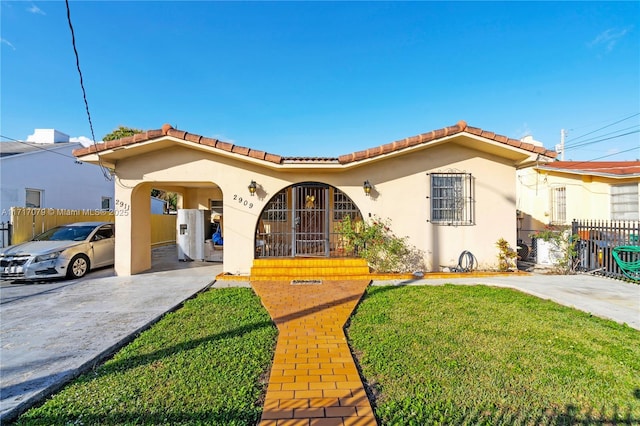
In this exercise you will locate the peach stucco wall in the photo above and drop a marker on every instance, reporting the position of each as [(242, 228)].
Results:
[(401, 187)]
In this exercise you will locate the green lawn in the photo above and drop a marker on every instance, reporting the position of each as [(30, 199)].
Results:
[(460, 355), (203, 364), (430, 355)]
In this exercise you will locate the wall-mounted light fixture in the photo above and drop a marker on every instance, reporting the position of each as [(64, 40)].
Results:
[(252, 187), (367, 187)]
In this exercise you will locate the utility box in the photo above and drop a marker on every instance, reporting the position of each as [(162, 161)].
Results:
[(193, 229)]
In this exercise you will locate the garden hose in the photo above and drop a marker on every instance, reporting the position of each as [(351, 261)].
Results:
[(466, 262), (630, 266)]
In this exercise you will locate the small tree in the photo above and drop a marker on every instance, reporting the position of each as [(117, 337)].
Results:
[(121, 132), (170, 197), (506, 256)]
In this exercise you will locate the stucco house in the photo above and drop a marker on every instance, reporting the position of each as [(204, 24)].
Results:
[(555, 193), (448, 190), (42, 173)]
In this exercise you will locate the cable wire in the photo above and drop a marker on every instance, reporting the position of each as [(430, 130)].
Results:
[(608, 125), (603, 139), (105, 173), (34, 145), (603, 135), (598, 158)]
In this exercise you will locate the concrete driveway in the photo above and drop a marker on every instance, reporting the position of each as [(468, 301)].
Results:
[(52, 331)]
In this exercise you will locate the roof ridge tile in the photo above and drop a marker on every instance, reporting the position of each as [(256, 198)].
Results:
[(193, 138), (208, 141), (459, 127)]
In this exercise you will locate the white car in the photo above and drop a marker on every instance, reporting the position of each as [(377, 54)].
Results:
[(64, 251)]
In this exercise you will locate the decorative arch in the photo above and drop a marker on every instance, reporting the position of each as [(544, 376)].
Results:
[(301, 221)]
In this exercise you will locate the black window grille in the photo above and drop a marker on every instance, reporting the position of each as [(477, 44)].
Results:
[(452, 199), (276, 210), (343, 206), (558, 205)]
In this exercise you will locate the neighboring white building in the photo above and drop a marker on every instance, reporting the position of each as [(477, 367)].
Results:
[(159, 206), (42, 173)]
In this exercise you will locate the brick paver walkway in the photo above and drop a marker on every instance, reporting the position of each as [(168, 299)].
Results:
[(314, 380)]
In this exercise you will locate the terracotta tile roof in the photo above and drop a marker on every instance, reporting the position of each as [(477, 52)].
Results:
[(460, 127), (618, 168)]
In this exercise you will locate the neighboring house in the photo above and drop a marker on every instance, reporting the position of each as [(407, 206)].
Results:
[(159, 206), (555, 193), (42, 173), (447, 191)]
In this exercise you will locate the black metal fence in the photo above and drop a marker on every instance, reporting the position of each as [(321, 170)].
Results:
[(5, 234), (597, 240)]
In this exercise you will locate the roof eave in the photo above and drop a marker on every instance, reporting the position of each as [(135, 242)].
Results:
[(117, 153), (589, 173)]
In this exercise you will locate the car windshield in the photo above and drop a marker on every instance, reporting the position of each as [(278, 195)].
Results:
[(66, 233)]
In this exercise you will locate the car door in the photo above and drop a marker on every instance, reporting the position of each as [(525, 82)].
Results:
[(103, 246)]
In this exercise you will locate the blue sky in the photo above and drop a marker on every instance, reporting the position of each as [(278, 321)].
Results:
[(328, 78)]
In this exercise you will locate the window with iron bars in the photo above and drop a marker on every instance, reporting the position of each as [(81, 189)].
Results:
[(276, 210), (452, 199), (558, 205), (343, 206)]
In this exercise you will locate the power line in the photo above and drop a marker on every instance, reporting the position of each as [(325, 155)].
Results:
[(84, 92), (40, 147), (603, 135), (604, 156), (592, 124), (603, 139), (604, 127)]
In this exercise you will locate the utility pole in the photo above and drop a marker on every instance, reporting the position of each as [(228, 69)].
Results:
[(560, 146)]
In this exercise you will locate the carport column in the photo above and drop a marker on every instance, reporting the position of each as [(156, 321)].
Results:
[(133, 229), (239, 238)]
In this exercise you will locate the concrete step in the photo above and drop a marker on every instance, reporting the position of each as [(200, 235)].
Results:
[(301, 268)]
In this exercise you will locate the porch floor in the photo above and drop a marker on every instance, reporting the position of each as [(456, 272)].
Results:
[(314, 379)]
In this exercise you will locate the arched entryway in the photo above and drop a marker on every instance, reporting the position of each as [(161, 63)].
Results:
[(302, 220)]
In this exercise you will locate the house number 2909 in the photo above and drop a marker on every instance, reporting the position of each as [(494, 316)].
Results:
[(243, 201)]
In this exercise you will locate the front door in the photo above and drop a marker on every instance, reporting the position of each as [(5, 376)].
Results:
[(303, 220), (311, 214)]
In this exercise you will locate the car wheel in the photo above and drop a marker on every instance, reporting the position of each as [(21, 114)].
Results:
[(78, 267)]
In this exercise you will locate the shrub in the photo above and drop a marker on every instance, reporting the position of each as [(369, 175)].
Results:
[(384, 251), (506, 256), (561, 237)]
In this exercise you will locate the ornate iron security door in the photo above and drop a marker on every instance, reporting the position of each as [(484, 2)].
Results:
[(311, 220), (304, 220)]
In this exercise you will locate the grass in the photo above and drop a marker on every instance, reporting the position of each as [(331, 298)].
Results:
[(449, 355), (203, 364), (477, 355)]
